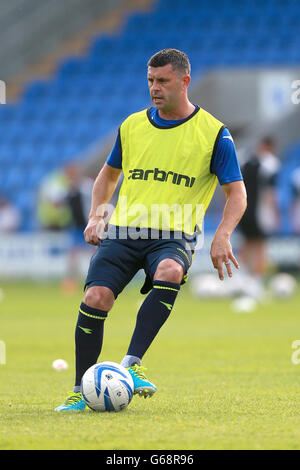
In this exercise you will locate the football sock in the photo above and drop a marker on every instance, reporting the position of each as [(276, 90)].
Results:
[(153, 313), (128, 361), (88, 339)]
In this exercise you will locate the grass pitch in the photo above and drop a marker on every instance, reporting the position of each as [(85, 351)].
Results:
[(225, 380)]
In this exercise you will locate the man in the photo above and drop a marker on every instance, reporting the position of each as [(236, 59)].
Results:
[(294, 211), (170, 155), (10, 217), (262, 215), (77, 199)]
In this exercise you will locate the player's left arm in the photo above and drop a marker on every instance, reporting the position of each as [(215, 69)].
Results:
[(226, 167), (235, 206)]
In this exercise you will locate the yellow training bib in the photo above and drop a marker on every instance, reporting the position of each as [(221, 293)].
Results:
[(167, 182)]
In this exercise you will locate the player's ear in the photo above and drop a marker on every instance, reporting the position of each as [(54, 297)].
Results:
[(186, 80)]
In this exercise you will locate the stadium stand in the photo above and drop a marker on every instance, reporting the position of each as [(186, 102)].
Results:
[(57, 120)]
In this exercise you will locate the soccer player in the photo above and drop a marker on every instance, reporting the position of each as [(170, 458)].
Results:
[(172, 155), (260, 174)]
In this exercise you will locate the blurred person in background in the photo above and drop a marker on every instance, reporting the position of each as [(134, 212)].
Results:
[(77, 200), (295, 207), (53, 211), (63, 206), (262, 216), (78, 196), (10, 217)]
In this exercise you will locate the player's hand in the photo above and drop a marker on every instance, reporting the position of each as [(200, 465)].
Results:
[(94, 230), (221, 252)]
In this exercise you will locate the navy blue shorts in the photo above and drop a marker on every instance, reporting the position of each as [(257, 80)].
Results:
[(117, 261)]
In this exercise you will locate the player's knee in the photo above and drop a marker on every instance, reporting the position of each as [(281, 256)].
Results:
[(99, 297), (169, 270)]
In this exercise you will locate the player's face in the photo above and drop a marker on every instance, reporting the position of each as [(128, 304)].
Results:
[(166, 87)]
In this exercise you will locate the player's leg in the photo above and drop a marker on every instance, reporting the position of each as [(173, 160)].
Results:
[(93, 311), (253, 260), (97, 302), (157, 306), (257, 262), (153, 313), (111, 268), (165, 268)]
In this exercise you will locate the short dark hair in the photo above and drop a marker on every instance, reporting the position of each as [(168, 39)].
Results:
[(268, 140), (178, 59)]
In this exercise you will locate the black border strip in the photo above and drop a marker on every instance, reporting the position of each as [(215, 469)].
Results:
[(120, 144), (215, 146), (197, 108)]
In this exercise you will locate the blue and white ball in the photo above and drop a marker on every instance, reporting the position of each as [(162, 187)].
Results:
[(107, 386), (283, 285)]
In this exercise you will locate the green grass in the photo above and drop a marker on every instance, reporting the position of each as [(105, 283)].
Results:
[(225, 380)]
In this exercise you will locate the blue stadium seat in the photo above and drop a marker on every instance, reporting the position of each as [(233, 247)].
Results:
[(58, 119)]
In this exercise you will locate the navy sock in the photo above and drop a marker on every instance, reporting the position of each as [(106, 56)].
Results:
[(88, 338), (153, 313)]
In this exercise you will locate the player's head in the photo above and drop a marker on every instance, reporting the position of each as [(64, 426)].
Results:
[(267, 145), (169, 75)]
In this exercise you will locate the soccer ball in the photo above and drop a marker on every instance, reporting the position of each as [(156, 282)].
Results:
[(107, 386), (208, 286), (60, 364), (244, 304), (283, 285)]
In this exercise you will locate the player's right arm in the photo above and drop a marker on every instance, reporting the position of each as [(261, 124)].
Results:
[(103, 189)]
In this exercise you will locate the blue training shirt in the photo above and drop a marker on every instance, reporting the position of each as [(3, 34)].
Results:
[(224, 165)]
